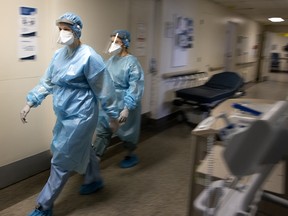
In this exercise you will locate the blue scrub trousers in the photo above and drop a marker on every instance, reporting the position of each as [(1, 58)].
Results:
[(58, 177)]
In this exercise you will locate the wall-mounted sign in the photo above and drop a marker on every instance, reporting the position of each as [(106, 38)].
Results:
[(183, 38), (27, 33)]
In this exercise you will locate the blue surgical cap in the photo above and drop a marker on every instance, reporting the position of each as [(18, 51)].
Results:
[(74, 22), (124, 35)]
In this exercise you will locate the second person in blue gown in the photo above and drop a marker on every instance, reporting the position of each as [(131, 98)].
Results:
[(128, 78)]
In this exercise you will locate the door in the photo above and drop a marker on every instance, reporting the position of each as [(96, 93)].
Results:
[(230, 54), (141, 23)]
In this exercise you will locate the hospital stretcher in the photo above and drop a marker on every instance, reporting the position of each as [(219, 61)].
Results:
[(205, 97), (254, 142)]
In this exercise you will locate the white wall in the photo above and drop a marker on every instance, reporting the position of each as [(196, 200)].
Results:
[(161, 103), (141, 24), (16, 78), (248, 44), (19, 141), (210, 23)]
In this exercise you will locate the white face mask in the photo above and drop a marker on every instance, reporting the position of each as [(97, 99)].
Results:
[(115, 49), (65, 37)]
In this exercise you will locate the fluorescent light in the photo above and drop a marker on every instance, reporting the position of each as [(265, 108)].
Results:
[(276, 19)]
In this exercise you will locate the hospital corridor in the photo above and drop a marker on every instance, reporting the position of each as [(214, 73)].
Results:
[(158, 185), (144, 108)]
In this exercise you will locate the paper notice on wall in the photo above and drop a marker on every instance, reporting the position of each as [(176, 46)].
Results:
[(27, 48), (183, 40)]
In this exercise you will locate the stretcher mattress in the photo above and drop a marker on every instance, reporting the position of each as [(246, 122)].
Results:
[(204, 94), (219, 87)]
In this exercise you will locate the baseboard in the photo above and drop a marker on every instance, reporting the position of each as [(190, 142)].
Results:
[(159, 124), (25, 168)]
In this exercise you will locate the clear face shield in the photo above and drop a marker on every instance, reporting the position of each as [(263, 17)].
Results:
[(113, 47)]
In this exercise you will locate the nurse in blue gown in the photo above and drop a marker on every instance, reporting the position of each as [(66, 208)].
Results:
[(128, 78), (77, 78)]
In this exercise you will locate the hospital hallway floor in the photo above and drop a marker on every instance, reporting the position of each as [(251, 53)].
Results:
[(158, 186)]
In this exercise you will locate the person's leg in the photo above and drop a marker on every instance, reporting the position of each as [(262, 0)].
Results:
[(131, 159), (92, 179), (50, 191), (103, 137), (130, 147), (129, 134)]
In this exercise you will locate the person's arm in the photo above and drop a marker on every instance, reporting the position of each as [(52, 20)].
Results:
[(41, 90), (37, 94), (102, 86), (134, 93)]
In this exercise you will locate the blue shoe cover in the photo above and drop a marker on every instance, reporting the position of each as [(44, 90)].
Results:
[(129, 161), (37, 212), (91, 188)]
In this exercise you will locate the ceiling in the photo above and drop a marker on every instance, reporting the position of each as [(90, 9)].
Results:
[(258, 10)]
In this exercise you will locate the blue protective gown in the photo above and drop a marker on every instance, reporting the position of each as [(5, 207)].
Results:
[(128, 77), (76, 82)]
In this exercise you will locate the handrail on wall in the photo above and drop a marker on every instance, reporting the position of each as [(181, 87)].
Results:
[(181, 73), (216, 68), (245, 63)]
